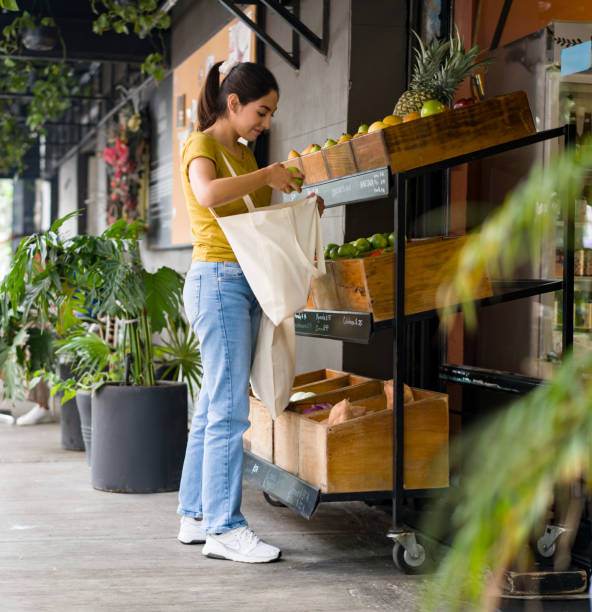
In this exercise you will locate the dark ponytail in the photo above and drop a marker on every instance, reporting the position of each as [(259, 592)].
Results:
[(249, 81)]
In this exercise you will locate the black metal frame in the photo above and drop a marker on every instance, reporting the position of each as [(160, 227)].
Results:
[(567, 132), (321, 44), (303, 497)]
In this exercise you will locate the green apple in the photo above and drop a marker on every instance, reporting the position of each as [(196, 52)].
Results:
[(432, 107), (363, 128), (297, 179), (315, 148), (329, 143)]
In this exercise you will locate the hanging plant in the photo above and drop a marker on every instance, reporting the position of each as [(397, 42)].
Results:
[(127, 158), (141, 18), (50, 87)]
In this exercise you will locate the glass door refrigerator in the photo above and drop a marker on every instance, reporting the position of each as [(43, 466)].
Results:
[(532, 64)]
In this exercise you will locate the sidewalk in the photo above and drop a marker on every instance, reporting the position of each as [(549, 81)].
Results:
[(65, 546)]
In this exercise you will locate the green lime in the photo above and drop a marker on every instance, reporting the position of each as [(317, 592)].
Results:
[(346, 250), (329, 248), (362, 245), (378, 241), (333, 252), (297, 179), (391, 238)]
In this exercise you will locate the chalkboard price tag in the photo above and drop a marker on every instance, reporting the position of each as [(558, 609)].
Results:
[(295, 493), (359, 187), (334, 324)]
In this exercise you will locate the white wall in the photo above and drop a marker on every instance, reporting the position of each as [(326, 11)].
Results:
[(313, 106), (68, 194)]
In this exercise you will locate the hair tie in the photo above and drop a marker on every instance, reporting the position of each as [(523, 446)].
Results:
[(227, 66)]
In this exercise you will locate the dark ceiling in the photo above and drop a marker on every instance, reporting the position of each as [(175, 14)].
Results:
[(102, 61)]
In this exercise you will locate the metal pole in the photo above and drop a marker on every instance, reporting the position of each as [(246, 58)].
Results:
[(399, 352), (569, 212)]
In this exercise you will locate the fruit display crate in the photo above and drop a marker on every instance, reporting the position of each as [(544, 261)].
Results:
[(259, 438), (357, 455), (367, 284), (424, 141)]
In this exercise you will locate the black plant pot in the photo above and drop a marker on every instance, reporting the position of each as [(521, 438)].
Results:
[(83, 403), (69, 418), (139, 436), (70, 423), (40, 38)]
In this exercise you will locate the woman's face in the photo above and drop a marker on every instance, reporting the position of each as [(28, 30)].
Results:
[(250, 119)]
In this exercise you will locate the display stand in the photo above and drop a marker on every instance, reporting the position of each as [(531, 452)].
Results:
[(409, 554)]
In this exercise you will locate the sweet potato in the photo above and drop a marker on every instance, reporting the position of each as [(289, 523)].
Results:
[(389, 392)]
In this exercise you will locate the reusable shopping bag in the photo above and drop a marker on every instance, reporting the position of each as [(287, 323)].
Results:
[(276, 247)]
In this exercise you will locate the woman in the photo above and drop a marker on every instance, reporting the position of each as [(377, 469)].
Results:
[(220, 305)]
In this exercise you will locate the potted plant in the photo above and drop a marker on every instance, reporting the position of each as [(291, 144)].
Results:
[(139, 425)]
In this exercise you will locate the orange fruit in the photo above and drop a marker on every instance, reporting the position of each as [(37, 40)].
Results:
[(392, 120), (345, 137), (293, 154), (307, 150), (411, 117), (377, 125)]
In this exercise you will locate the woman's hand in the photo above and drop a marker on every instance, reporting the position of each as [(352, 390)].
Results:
[(283, 180)]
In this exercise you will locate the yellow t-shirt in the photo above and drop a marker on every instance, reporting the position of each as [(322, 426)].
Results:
[(209, 242)]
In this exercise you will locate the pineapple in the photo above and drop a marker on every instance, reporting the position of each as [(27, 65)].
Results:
[(439, 69)]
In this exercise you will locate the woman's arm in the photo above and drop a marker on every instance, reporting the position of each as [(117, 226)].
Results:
[(210, 191)]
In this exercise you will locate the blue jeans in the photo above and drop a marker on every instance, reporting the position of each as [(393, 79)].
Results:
[(225, 315)]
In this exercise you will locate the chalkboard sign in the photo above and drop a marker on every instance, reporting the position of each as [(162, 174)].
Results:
[(359, 187), (334, 324), (295, 493)]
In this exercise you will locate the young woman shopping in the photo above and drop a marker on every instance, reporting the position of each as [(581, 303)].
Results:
[(220, 305)]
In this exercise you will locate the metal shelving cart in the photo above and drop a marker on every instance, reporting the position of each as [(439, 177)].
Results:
[(283, 488)]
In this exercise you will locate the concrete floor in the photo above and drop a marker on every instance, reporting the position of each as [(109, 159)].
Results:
[(65, 546)]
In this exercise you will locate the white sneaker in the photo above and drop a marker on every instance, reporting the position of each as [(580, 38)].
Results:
[(191, 531), (240, 544), (6, 419), (35, 416)]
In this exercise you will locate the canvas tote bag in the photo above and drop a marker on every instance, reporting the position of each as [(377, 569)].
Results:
[(276, 247)]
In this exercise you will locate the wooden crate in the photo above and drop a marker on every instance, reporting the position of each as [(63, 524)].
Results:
[(358, 455), (286, 426), (425, 141), (259, 437), (331, 384), (315, 376), (446, 135), (367, 284)]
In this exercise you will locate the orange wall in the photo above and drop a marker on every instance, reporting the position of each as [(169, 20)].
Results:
[(525, 17)]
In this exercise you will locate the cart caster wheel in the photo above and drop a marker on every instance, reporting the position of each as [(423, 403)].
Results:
[(544, 551), (408, 564), (273, 502), (545, 546)]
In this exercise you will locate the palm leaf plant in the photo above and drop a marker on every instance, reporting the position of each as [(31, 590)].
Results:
[(61, 282), (514, 466)]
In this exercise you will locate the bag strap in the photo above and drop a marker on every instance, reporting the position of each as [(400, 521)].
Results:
[(246, 197)]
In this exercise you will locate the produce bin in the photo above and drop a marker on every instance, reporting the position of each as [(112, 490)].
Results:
[(259, 438), (425, 141), (367, 284), (357, 455)]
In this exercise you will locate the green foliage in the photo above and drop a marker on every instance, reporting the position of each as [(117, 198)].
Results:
[(181, 355), (9, 5), (154, 66), (52, 280), (141, 16), (513, 465)]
